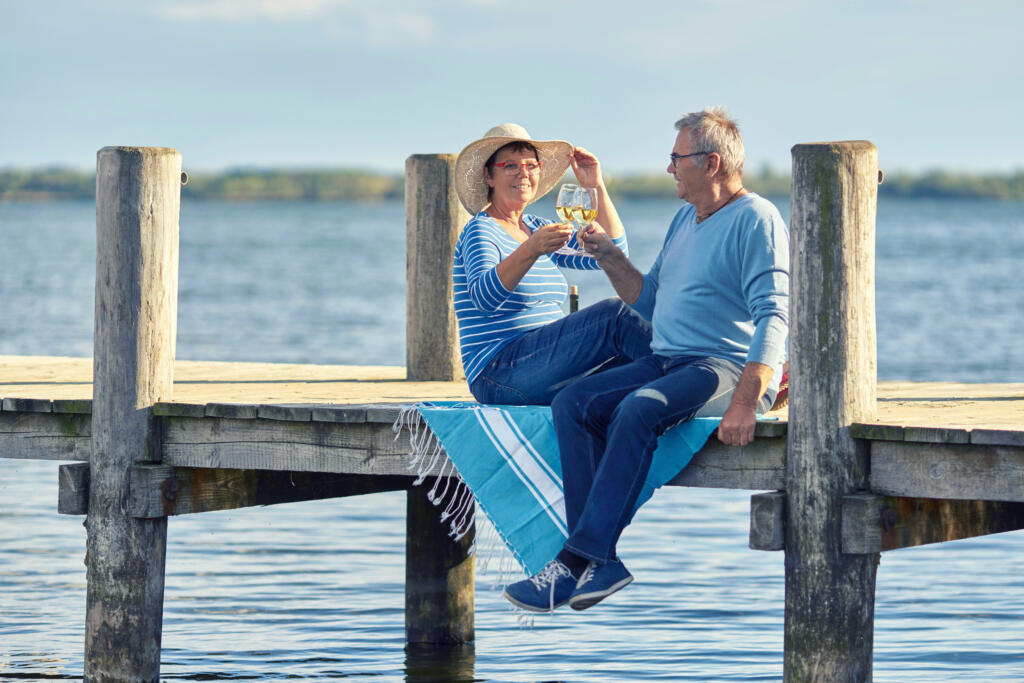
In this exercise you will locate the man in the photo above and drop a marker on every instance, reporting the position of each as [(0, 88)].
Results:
[(718, 298)]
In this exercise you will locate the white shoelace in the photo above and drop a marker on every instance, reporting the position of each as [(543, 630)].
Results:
[(552, 571), (588, 573)]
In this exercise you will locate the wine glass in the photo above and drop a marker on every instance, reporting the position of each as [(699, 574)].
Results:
[(566, 206), (585, 212)]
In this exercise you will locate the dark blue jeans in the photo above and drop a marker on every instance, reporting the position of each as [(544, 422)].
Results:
[(533, 368), (608, 427)]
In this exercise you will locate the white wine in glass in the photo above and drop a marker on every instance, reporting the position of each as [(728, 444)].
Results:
[(565, 203), (566, 206), (584, 212)]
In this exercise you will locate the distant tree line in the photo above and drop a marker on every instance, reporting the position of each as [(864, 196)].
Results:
[(358, 185)]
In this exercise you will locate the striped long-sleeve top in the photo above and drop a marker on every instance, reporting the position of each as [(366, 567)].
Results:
[(491, 316)]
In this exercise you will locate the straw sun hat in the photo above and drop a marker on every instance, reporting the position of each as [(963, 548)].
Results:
[(469, 166)]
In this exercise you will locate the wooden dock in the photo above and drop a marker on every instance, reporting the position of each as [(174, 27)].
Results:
[(854, 468)]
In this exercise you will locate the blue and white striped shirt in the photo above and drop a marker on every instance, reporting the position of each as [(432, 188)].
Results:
[(491, 316)]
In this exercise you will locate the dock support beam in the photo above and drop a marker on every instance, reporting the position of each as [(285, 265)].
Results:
[(433, 218), (138, 193), (829, 595), (438, 571)]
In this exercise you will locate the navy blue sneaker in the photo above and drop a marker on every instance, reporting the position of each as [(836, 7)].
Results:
[(598, 582), (544, 591)]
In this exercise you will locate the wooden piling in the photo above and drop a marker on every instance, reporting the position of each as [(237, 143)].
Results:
[(137, 203), (433, 218), (829, 595), (439, 588), (438, 571)]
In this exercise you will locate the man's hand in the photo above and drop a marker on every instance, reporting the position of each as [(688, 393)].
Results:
[(597, 242), (737, 426)]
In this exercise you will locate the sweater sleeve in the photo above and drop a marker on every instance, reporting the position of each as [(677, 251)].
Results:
[(765, 275), (481, 257)]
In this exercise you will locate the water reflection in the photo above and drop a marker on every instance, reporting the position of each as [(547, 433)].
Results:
[(428, 663)]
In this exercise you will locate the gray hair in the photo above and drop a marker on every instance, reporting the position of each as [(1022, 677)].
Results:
[(711, 130)]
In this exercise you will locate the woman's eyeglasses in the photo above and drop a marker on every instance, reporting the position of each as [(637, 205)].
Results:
[(531, 166)]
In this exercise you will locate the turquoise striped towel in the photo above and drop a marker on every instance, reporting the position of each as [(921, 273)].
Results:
[(508, 458)]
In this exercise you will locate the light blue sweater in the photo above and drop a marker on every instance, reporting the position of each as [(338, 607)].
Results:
[(721, 287)]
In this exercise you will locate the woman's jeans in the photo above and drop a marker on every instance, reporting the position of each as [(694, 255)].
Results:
[(608, 426), (531, 369)]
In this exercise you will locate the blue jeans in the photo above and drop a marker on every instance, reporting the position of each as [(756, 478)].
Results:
[(530, 370), (608, 427)]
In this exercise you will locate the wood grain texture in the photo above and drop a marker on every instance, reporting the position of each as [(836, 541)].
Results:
[(45, 436), (829, 595), (439, 591), (759, 466), (351, 448), (160, 490), (951, 471), (137, 201), (768, 521), (873, 524), (433, 218)]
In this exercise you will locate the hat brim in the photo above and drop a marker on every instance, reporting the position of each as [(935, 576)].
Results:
[(471, 185)]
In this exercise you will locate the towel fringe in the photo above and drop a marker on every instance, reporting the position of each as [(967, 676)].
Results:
[(452, 495)]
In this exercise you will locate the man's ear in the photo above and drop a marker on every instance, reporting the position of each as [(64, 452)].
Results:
[(712, 164)]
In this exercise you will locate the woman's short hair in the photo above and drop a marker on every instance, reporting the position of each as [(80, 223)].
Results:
[(517, 146), (711, 130)]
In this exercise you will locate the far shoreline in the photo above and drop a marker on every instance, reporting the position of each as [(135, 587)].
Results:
[(324, 185)]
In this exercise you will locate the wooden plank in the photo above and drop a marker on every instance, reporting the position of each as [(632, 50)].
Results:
[(948, 471), (179, 409), (237, 411), (27, 405), (758, 466), (383, 413), (288, 413), (768, 521), (70, 405), (936, 435), (160, 490), (338, 414), (45, 436), (770, 429), (352, 448), (73, 489), (997, 437), (876, 432), (874, 523)]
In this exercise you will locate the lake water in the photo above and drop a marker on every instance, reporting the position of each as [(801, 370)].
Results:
[(315, 590)]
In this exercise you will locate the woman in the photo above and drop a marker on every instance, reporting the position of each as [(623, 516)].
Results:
[(517, 348)]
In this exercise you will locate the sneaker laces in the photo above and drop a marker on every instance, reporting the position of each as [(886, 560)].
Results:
[(588, 573), (552, 571)]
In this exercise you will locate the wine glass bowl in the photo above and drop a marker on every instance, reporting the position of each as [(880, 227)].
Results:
[(576, 205)]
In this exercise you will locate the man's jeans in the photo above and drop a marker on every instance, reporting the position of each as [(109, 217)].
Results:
[(608, 426), (531, 369)]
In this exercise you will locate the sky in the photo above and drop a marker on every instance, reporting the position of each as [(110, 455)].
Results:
[(366, 83)]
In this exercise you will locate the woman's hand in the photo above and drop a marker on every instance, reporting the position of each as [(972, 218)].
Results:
[(586, 167), (548, 238)]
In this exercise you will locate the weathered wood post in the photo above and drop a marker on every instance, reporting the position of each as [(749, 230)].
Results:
[(829, 596), (138, 193), (433, 218), (438, 571)]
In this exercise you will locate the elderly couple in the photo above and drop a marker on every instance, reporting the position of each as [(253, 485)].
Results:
[(702, 333)]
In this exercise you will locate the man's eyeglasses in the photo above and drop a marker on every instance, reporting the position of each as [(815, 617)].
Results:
[(531, 166), (673, 157)]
